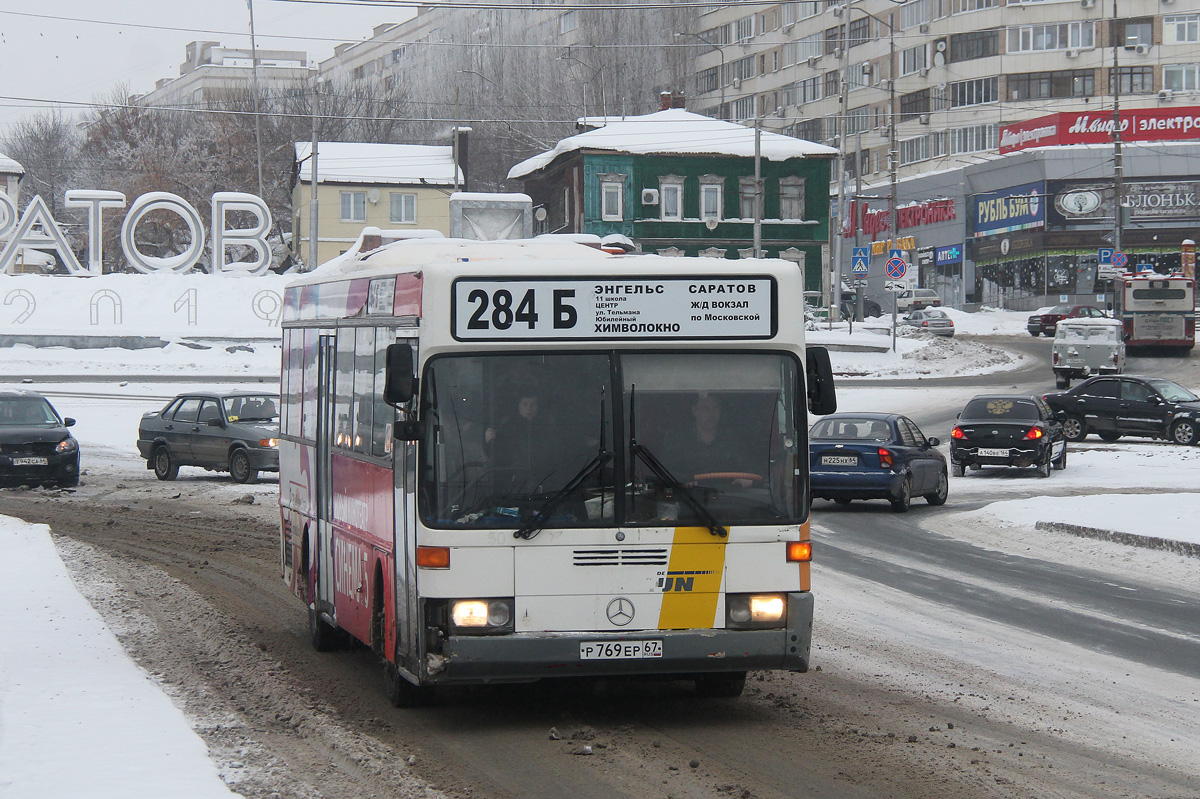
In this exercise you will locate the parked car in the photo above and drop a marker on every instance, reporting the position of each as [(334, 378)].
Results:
[(916, 299), (1007, 430), (35, 446), (850, 298), (1087, 347), (931, 320), (235, 432), (1042, 322), (1129, 405), (875, 456)]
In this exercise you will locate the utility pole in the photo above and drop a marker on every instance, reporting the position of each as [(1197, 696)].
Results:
[(758, 185), (1118, 167), (255, 89), (313, 239), (893, 153)]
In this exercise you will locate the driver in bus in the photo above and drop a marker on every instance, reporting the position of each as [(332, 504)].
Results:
[(706, 446), (524, 444)]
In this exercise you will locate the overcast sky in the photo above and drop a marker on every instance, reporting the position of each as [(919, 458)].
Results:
[(72, 51)]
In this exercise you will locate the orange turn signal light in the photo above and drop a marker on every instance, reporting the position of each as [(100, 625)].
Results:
[(433, 557), (799, 551)]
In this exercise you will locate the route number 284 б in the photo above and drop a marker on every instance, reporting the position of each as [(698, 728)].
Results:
[(500, 309)]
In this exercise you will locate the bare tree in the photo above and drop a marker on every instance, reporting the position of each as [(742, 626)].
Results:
[(47, 146)]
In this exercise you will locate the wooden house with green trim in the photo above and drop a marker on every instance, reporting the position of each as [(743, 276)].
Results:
[(678, 183)]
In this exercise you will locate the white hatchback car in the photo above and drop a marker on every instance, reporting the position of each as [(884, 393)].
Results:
[(916, 299)]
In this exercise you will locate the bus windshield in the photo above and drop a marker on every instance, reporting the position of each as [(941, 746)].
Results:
[(694, 437)]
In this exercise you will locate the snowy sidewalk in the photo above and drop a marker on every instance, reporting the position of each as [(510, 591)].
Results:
[(77, 716)]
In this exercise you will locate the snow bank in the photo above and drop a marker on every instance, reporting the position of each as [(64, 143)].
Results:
[(77, 717)]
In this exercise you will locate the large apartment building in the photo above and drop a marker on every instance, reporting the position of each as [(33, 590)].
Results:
[(947, 73)]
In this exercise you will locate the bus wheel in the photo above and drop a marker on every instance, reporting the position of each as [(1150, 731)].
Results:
[(724, 684), (323, 635), (402, 693)]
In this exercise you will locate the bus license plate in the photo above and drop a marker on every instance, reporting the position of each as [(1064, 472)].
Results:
[(839, 460), (29, 461), (619, 650), (984, 452)]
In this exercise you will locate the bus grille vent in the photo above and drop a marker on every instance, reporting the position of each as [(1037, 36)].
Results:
[(621, 557)]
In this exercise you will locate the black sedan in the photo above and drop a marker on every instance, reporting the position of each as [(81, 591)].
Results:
[(875, 456), (236, 432), (35, 447), (1112, 406), (1008, 430)]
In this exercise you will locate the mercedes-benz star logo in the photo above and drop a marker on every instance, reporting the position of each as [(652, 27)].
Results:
[(620, 611)]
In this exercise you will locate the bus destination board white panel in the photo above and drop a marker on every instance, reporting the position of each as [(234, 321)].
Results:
[(526, 309)]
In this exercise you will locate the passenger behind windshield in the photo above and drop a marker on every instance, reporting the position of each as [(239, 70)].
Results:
[(523, 446)]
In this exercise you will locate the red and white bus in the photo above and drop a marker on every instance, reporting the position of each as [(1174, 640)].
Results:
[(499, 463), (1158, 311)]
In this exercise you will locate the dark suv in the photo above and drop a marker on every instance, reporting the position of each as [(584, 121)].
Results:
[(1129, 405), (35, 447)]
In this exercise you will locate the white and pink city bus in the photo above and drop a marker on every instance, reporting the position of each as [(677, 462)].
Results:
[(515, 460)]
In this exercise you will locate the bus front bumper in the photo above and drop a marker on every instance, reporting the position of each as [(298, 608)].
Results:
[(522, 657)]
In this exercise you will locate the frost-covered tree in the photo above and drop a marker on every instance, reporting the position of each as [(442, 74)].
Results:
[(47, 146)]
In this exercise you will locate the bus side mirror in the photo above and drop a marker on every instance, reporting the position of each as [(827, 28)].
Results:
[(819, 373), (399, 385)]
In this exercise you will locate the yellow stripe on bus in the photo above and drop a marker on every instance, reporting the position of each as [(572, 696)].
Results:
[(691, 585)]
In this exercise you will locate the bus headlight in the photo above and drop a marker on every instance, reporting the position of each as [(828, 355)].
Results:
[(481, 616), (755, 611)]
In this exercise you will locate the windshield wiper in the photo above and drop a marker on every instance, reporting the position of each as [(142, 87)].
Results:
[(669, 480), (536, 522)]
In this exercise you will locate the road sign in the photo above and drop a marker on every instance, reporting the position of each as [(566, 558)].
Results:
[(896, 285), (860, 262), (1120, 260), (1106, 255), (895, 268)]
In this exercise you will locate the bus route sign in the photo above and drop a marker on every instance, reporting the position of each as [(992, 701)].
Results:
[(668, 307)]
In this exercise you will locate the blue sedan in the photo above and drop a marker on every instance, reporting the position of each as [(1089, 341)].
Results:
[(875, 456)]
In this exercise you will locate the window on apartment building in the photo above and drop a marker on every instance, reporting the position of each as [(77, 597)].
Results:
[(788, 16), (832, 83), (974, 92), (808, 130), (923, 148), (1133, 80), (742, 69), (914, 104), (791, 197), (976, 44), (915, 12), (832, 39), (1181, 29), (1132, 32), (810, 46), (389, 82), (859, 76), (742, 108), (670, 198), (1181, 77), (712, 196), (403, 208), (858, 120), (708, 80), (966, 6), (808, 90), (568, 22), (914, 59), (972, 139), (612, 198), (746, 197), (354, 206), (860, 32), (717, 35), (1036, 38), (809, 8), (360, 72), (743, 29), (1040, 85)]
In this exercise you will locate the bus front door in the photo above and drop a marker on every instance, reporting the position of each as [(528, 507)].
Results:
[(323, 556)]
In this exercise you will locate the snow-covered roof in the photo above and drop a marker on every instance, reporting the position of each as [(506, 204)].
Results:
[(10, 167), (358, 162), (676, 132)]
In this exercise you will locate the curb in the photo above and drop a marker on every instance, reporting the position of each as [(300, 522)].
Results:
[(1184, 548)]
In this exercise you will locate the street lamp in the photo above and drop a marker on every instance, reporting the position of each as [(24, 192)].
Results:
[(720, 75), (566, 56)]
